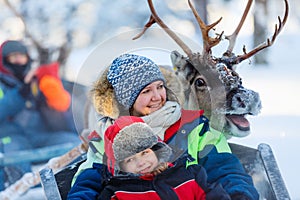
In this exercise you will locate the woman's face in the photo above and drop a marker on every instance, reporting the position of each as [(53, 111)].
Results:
[(150, 99)]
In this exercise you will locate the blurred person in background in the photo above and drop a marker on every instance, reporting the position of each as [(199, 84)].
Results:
[(35, 107)]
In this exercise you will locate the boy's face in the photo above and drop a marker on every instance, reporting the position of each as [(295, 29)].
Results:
[(143, 162)]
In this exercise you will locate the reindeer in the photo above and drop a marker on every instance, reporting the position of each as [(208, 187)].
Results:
[(211, 83)]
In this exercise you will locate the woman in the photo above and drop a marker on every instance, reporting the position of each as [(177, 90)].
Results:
[(135, 85)]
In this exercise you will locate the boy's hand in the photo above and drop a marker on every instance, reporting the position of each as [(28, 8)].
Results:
[(30, 75)]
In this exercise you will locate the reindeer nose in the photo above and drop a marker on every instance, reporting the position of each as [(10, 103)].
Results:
[(244, 101)]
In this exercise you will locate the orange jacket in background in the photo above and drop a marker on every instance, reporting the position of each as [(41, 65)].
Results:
[(51, 86)]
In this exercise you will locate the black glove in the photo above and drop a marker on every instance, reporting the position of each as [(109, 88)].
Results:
[(25, 90)]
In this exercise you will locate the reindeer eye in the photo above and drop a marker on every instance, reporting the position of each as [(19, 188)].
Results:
[(200, 82)]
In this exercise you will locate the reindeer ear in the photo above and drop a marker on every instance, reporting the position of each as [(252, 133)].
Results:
[(178, 61), (181, 65)]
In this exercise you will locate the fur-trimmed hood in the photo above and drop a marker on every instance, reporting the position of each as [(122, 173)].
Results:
[(104, 100)]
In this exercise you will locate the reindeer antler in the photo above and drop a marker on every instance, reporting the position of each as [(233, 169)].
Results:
[(233, 36), (154, 18), (266, 44), (208, 42), (147, 25)]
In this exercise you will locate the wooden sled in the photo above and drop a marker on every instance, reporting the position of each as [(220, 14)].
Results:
[(260, 163)]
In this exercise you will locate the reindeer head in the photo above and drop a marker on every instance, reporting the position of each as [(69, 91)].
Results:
[(211, 83)]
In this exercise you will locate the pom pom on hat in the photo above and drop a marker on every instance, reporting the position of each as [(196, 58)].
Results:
[(129, 74), (130, 135)]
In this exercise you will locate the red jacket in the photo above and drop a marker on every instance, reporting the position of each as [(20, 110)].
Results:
[(177, 182)]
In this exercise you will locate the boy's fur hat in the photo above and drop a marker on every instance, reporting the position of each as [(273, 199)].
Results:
[(130, 135)]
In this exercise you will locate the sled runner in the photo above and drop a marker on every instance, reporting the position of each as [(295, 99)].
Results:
[(260, 163)]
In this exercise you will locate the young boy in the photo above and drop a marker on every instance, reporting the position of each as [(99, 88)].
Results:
[(139, 167)]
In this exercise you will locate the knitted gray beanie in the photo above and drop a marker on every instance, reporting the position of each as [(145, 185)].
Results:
[(129, 74), (13, 46), (137, 137)]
